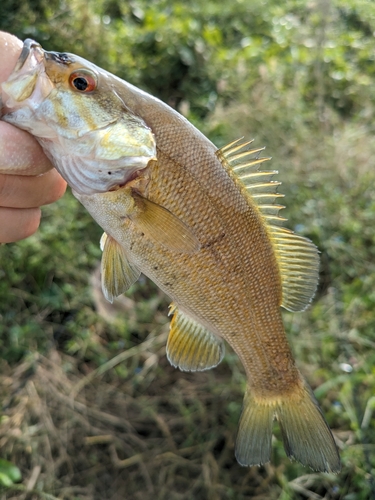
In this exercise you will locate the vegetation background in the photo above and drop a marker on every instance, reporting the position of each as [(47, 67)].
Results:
[(90, 408)]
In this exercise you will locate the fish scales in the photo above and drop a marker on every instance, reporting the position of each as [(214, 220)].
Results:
[(230, 246), (173, 207), (255, 266)]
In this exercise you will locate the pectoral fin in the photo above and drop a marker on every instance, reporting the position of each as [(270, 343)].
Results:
[(190, 346), (159, 224), (118, 273)]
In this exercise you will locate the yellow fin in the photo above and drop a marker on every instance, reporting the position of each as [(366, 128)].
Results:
[(298, 260), (306, 435), (190, 346), (118, 273), (254, 437), (297, 257), (161, 225)]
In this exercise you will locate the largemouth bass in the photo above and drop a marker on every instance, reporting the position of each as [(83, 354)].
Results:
[(202, 223)]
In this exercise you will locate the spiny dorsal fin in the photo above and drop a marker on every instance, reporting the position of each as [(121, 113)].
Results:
[(190, 346), (297, 257)]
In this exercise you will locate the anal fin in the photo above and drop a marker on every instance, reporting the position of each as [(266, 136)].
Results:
[(190, 346), (118, 273)]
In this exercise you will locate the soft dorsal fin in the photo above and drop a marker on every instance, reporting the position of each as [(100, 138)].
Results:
[(190, 346), (298, 260), (297, 257)]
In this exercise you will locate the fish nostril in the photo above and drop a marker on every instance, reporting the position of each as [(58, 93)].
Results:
[(59, 57)]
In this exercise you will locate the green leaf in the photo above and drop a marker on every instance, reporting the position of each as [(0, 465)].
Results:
[(9, 473), (5, 479)]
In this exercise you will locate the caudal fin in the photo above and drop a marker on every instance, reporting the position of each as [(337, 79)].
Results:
[(306, 435)]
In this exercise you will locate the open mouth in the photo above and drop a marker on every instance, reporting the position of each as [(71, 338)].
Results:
[(30, 48), (28, 45), (22, 82)]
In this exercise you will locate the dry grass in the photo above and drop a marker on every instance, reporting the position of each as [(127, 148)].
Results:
[(153, 436)]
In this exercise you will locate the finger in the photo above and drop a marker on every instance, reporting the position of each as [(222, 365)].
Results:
[(19, 223), (17, 191), (20, 153), (11, 47)]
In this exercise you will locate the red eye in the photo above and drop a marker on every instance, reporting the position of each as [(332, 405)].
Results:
[(82, 81)]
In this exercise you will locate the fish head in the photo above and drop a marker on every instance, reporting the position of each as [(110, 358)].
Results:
[(74, 110)]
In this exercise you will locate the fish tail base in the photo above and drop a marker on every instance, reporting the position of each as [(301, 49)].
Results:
[(305, 432)]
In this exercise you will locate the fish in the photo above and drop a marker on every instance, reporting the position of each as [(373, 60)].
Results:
[(201, 222)]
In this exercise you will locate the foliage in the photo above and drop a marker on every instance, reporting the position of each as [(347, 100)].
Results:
[(9, 473), (296, 75), (189, 54)]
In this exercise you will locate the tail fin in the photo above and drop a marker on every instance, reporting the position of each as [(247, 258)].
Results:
[(306, 435)]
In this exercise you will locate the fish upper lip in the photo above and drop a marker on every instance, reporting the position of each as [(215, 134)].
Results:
[(28, 45)]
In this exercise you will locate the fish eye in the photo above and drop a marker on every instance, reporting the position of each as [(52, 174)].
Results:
[(82, 81)]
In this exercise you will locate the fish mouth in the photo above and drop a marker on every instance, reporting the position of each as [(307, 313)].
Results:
[(23, 81), (29, 46), (33, 48)]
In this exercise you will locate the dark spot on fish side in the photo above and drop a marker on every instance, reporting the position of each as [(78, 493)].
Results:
[(156, 268), (168, 284), (109, 173), (213, 241)]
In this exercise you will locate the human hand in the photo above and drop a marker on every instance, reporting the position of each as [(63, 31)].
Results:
[(27, 178)]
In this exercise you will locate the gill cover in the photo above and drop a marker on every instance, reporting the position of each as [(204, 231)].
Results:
[(92, 138)]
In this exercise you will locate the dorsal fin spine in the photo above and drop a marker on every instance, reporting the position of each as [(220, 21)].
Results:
[(257, 174), (232, 148)]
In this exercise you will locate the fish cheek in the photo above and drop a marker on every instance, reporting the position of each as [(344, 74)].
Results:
[(21, 88), (53, 113)]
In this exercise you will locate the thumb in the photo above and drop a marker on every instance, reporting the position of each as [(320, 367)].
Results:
[(20, 154)]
